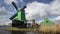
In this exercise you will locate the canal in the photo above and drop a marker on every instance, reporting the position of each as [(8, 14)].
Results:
[(2, 31)]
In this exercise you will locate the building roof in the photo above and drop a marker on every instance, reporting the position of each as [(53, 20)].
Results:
[(47, 22)]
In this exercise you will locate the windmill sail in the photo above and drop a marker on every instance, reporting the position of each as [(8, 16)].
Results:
[(16, 9), (14, 5), (20, 13), (13, 16)]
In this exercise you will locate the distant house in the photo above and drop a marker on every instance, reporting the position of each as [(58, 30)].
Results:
[(34, 24), (47, 22)]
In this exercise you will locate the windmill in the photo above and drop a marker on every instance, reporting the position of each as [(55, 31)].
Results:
[(20, 21), (47, 22)]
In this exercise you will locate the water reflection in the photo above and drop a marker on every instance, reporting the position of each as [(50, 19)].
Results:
[(17, 32), (24, 32), (2, 31)]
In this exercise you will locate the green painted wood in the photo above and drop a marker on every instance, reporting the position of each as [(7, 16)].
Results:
[(21, 15), (47, 22)]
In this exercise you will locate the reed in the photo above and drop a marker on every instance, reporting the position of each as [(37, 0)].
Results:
[(50, 29)]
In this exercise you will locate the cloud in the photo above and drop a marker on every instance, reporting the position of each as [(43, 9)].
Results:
[(3, 11), (9, 1), (39, 21), (54, 8), (35, 10), (56, 20), (4, 16), (21, 1), (4, 20)]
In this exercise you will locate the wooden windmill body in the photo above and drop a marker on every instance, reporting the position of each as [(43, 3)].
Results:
[(18, 19)]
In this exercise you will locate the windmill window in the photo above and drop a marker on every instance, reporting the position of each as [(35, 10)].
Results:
[(47, 21)]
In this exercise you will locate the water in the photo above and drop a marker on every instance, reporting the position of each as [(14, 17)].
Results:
[(2, 31)]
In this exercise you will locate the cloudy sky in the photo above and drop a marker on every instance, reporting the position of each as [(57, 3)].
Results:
[(36, 9)]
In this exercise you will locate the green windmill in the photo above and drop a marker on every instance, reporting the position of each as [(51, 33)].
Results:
[(18, 19), (47, 22)]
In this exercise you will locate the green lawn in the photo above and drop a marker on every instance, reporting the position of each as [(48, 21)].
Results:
[(21, 29)]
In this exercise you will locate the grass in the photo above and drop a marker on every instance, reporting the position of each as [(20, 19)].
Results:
[(21, 29)]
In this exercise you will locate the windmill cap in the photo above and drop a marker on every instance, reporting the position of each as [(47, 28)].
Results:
[(24, 7)]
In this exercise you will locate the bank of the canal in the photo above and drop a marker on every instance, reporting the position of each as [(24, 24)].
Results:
[(3, 31), (22, 29)]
